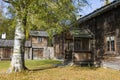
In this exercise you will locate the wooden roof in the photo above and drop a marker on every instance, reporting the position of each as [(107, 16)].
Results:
[(100, 11), (39, 33), (82, 33), (10, 43)]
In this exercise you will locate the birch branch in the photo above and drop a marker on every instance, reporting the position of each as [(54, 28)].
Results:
[(7, 1)]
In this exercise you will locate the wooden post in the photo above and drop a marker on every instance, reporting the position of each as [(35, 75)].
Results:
[(73, 50), (116, 41), (89, 44), (31, 53), (93, 51)]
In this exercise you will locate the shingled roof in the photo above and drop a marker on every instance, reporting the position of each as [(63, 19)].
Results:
[(39, 33), (10, 43), (100, 11), (82, 33)]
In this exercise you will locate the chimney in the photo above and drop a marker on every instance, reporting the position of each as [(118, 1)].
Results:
[(3, 36)]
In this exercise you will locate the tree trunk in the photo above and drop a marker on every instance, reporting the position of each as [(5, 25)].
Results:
[(17, 63)]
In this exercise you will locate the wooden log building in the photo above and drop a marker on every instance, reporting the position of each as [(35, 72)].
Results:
[(104, 24), (97, 36), (75, 45), (35, 48), (6, 49), (39, 41)]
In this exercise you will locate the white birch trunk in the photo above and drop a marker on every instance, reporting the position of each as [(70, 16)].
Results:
[(17, 63)]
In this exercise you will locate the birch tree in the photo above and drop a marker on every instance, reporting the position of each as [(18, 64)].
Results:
[(38, 14)]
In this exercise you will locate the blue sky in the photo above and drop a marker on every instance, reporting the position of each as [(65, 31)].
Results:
[(94, 4)]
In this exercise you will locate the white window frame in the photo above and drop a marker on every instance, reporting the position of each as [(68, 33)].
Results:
[(39, 39), (110, 42)]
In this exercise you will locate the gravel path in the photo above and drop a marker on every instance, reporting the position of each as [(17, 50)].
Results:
[(113, 63)]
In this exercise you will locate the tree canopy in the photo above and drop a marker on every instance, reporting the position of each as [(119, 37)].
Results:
[(50, 15)]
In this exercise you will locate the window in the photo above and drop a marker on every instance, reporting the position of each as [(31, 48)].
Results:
[(81, 45), (110, 43), (77, 45), (39, 39)]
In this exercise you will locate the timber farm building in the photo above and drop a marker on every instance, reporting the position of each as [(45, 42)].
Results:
[(95, 37), (35, 48), (103, 25)]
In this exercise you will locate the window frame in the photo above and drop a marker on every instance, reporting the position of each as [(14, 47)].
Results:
[(79, 44), (110, 40), (40, 39)]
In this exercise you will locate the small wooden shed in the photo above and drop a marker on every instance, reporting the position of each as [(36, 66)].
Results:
[(39, 41)]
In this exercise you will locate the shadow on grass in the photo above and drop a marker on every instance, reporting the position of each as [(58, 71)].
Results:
[(62, 65), (94, 68), (45, 68), (85, 67)]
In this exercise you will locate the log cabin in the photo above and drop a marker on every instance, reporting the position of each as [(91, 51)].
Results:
[(104, 24), (6, 49), (39, 41), (35, 48), (75, 45)]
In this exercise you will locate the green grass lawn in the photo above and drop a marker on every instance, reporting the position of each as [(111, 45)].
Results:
[(4, 65), (44, 72), (30, 64), (38, 64)]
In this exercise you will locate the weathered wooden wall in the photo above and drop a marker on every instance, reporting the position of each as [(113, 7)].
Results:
[(6, 53), (67, 47), (103, 25), (37, 44), (40, 49), (59, 46)]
